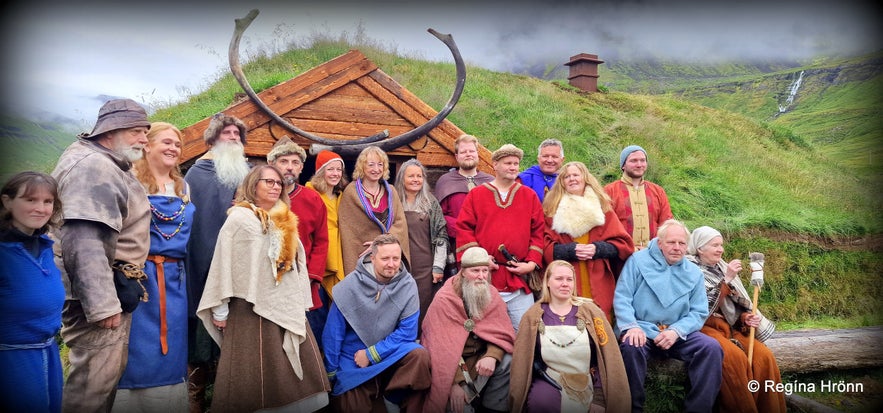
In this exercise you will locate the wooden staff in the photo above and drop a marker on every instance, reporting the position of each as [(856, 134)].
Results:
[(757, 281)]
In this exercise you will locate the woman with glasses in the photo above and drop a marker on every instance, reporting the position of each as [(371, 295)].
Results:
[(255, 302), (370, 206)]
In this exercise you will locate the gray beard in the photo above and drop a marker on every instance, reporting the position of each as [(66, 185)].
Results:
[(475, 298), (127, 151), (230, 163)]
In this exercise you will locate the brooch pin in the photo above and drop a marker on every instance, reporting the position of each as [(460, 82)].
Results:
[(469, 325)]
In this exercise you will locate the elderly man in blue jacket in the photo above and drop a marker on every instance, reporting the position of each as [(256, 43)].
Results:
[(660, 305)]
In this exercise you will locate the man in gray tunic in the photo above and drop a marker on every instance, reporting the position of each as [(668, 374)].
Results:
[(106, 220)]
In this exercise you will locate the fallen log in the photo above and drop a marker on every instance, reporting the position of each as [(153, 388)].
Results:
[(811, 351)]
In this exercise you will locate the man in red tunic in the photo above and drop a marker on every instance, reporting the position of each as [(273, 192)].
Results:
[(312, 224), (641, 205), (505, 213), (471, 344)]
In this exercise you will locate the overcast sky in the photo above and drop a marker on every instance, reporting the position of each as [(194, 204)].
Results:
[(68, 58)]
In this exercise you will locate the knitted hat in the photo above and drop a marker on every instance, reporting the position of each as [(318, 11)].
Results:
[(217, 124), (699, 237), (628, 151), (284, 147), (507, 150), (326, 156), (118, 114), (474, 257)]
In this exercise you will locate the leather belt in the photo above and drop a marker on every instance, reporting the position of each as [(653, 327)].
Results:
[(161, 285)]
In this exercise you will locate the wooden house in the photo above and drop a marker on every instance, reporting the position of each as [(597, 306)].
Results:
[(346, 98)]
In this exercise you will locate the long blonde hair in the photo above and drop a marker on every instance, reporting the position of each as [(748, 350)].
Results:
[(553, 198), (142, 168)]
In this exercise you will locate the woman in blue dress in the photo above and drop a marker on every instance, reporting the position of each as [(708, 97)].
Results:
[(31, 296), (156, 374)]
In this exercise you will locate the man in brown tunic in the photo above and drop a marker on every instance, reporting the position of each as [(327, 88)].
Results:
[(107, 220)]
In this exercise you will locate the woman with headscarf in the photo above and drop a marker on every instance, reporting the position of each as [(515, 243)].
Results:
[(566, 356), (427, 231), (156, 373), (582, 229), (729, 321), (255, 302), (370, 206), (31, 295)]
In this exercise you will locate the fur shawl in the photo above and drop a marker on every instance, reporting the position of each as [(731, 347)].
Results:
[(577, 215), (283, 234)]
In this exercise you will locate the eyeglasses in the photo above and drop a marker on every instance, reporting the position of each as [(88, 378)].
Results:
[(271, 182)]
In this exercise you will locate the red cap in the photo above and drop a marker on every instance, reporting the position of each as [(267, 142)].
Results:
[(324, 157)]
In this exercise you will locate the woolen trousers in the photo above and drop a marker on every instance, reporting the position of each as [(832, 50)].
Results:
[(403, 383), (702, 356), (97, 357)]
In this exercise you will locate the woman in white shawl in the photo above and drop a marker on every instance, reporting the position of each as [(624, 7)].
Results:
[(729, 321), (254, 306)]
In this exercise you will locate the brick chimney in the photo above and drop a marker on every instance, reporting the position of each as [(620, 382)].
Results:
[(584, 71)]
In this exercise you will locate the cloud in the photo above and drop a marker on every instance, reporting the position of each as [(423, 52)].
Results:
[(61, 58)]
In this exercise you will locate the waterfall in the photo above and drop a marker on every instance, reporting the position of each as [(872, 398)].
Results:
[(792, 92)]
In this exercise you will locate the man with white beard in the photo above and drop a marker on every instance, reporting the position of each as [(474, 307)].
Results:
[(107, 224), (468, 332), (213, 180)]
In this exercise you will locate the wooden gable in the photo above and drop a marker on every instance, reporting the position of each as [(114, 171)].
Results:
[(346, 98)]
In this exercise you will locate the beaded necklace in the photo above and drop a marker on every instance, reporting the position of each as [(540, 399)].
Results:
[(167, 218), (580, 326)]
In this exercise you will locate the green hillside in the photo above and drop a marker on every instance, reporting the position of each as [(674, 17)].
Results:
[(838, 106), (26, 144), (768, 183)]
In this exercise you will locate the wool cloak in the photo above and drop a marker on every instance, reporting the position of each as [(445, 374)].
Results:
[(611, 370), (244, 266), (357, 228), (444, 336), (373, 316), (450, 190)]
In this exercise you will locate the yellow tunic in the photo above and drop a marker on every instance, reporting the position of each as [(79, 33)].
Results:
[(334, 266)]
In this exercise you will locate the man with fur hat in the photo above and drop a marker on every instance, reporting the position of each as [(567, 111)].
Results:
[(312, 224), (213, 180), (106, 222), (370, 339), (468, 333), (504, 213), (641, 205)]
